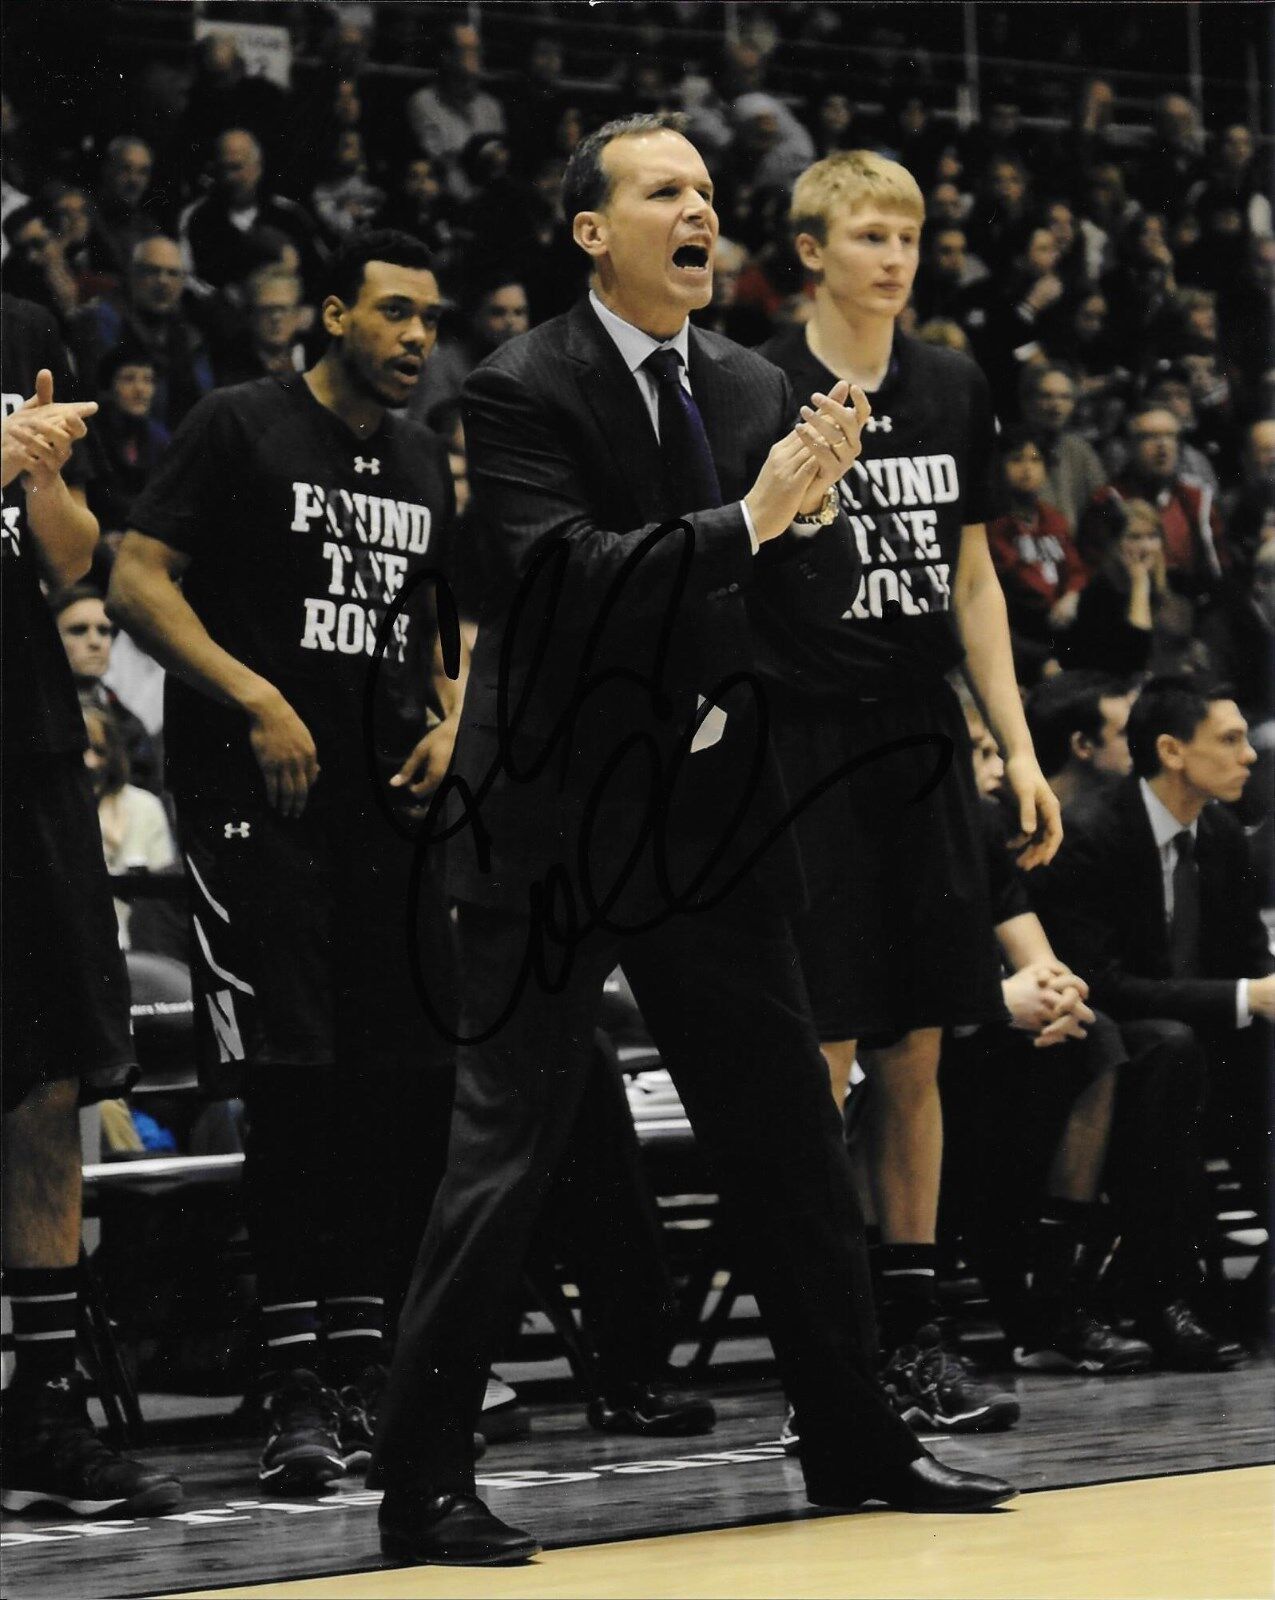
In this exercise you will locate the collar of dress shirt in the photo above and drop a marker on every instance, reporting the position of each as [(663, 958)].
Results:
[(634, 345), (1164, 825)]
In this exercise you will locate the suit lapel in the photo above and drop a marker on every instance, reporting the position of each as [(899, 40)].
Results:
[(612, 397)]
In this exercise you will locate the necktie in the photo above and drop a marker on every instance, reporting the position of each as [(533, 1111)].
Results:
[(1184, 931), (690, 473)]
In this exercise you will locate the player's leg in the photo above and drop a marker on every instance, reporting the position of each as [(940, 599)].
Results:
[(261, 911), (65, 1039)]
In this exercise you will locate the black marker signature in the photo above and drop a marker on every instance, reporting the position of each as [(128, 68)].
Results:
[(562, 912)]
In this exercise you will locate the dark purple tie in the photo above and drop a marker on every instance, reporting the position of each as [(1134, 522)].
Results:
[(1184, 930), (690, 472)]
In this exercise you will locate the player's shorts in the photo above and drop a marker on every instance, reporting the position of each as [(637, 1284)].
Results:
[(898, 933), (65, 986), (307, 945)]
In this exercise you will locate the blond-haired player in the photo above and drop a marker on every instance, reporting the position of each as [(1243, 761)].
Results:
[(898, 944)]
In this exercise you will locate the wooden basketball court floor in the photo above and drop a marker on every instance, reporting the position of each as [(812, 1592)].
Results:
[(1153, 1486)]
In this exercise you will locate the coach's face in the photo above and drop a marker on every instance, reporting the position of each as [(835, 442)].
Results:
[(652, 241), (1216, 760), (388, 332)]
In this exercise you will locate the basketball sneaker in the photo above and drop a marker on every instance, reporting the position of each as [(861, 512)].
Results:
[(303, 1451), (1081, 1343), (53, 1456), (933, 1389), (359, 1403)]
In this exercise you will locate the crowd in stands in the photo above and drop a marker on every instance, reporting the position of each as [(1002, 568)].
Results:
[(1116, 290)]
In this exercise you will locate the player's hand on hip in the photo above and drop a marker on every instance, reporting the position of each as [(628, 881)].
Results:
[(832, 430), (427, 765), (286, 754), (1039, 814)]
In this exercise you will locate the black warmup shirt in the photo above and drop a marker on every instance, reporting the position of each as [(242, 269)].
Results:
[(300, 535), (41, 711), (922, 476)]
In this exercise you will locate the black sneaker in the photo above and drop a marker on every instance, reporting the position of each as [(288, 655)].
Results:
[(356, 1426), (53, 1456), (933, 1389), (303, 1452), (1081, 1343)]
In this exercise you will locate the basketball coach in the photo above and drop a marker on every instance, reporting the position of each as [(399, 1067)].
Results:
[(613, 799)]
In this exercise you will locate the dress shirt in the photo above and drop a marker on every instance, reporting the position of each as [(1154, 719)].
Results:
[(634, 347), (1165, 828)]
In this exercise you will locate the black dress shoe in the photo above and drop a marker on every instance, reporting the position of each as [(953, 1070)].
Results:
[(642, 1408), (450, 1530), (926, 1485), (1181, 1341)]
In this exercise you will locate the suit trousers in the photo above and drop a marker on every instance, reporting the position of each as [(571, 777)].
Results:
[(722, 995)]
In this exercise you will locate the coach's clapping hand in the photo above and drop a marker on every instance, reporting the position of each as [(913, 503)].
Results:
[(833, 433), (285, 752), (805, 462)]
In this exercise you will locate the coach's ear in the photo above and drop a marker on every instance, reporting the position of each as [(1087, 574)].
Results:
[(589, 230), (332, 315)]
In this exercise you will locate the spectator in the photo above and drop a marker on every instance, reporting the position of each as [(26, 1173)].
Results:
[(1163, 180), (833, 121), (222, 234), (224, 95), (938, 331), (1129, 620), (1251, 517), (1088, 346), (1022, 310), (86, 632), (1235, 180), (344, 198), (35, 266), (948, 273), (1195, 552), (536, 101), (69, 212), (1169, 386), (269, 344), (1078, 723), (1001, 213), (151, 319), (1142, 286), (134, 824), (1239, 635), (418, 204), (769, 141), (123, 217), (1040, 568), (1073, 472), (1106, 212), (447, 114), (496, 313), (126, 441), (1154, 894)]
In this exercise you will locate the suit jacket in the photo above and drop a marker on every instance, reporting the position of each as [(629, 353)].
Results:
[(598, 636), (1102, 903)]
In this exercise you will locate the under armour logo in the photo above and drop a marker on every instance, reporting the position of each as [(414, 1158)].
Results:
[(883, 424), (237, 830), (367, 464)]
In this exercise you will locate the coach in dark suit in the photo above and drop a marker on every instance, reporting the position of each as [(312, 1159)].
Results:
[(613, 798), (1153, 895)]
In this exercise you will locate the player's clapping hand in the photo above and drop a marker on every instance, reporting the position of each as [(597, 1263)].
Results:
[(427, 765), (38, 438), (285, 752)]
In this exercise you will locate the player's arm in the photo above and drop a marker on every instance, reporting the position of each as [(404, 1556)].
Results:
[(37, 444), (427, 765), (145, 597), (983, 623)]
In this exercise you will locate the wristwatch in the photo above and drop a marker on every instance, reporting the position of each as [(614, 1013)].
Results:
[(826, 513)]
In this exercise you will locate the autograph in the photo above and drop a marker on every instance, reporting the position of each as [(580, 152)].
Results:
[(563, 910)]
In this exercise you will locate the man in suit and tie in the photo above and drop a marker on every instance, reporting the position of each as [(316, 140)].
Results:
[(1154, 897), (614, 798)]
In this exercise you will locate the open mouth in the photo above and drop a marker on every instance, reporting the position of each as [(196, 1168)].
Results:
[(691, 258), (407, 367)]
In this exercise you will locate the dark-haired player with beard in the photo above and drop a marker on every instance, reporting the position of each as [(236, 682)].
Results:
[(287, 517), (897, 944)]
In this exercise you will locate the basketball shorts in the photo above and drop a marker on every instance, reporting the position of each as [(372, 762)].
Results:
[(898, 931), (311, 942), (65, 986)]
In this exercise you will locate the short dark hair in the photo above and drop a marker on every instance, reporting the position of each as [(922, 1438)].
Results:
[(123, 355), (586, 185), (1069, 702), (62, 599), (343, 275), (1174, 704)]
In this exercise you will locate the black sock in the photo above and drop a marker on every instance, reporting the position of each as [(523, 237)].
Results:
[(46, 1305), (1062, 1227), (908, 1274), (287, 1172), (353, 1332)]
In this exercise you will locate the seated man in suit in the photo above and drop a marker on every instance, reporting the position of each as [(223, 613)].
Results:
[(1078, 722), (1154, 897), (614, 797)]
